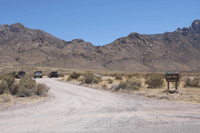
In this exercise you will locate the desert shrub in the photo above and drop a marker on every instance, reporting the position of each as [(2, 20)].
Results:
[(69, 78), (123, 84), (1, 76), (61, 75), (14, 88), (26, 87), (97, 80), (88, 78), (137, 75), (130, 84), (192, 83), (9, 78), (118, 77), (134, 85), (104, 84), (75, 75), (198, 86), (42, 89), (7, 97), (110, 81), (154, 81), (24, 92), (28, 83), (129, 76), (3, 87), (148, 75)]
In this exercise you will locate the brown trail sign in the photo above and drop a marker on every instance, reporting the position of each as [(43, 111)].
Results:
[(172, 77)]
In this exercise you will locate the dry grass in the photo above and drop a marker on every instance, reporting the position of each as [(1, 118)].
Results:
[(42, 89), (7, 98), (103, 84), (189, 94)]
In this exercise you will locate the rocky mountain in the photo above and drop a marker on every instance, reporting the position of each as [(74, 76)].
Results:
[(178, 50)]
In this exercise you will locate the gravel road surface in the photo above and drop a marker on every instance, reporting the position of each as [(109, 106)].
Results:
[(80, 109)]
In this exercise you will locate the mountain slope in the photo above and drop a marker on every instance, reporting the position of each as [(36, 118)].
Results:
[(178, 50)]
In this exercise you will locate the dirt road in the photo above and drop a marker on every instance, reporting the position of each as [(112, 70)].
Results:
[(81, 109)]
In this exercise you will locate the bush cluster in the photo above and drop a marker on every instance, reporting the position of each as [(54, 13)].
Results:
[(97, 79), (192, 83), (110, 81), (118, 77), (42, 89), (89, 78), (75, 75), (154, 81), (130, 84), (1, 76), (61, 75), (6, 83), (24, 88)]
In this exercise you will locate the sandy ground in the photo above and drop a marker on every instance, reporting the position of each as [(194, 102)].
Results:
[(75, 108)]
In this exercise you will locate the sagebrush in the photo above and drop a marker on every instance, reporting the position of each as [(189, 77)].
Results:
[(154, 81)]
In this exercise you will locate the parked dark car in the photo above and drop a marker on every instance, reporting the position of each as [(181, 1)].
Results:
[(19, 74), (38, 74), (53, 74)]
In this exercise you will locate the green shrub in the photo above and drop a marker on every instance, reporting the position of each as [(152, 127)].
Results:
[(154, 81), (28, 83), (7, 98), (137, 75), (198, 86), (135, 85), (88, 78), (14, 88), (1, 76), (61, 75), (69, 78), (192, 83), (75, 75), (123, 84), (129, 76), (118, 77), (9, 78), (24, 92), (3, 87), (42, 89), (110, 81), (25, 88), (97, 80), (130, 84)]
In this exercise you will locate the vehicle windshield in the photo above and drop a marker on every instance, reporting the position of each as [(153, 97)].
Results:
[(54, 72), (38, 72), (22, 73)]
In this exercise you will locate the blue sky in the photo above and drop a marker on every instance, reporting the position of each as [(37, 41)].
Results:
[(100, 21)]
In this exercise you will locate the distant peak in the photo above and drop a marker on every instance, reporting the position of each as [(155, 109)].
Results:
[(133, 35), (17, 25), (78, 40), (196, 25)]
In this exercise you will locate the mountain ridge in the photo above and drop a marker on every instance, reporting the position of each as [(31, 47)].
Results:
[(20, 45)]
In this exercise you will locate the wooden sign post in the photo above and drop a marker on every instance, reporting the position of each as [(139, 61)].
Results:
[(172, 77)]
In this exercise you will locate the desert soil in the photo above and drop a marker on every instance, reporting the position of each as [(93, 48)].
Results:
[(75, 108)]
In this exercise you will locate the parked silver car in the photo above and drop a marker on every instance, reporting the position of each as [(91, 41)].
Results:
[(38, 74)]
